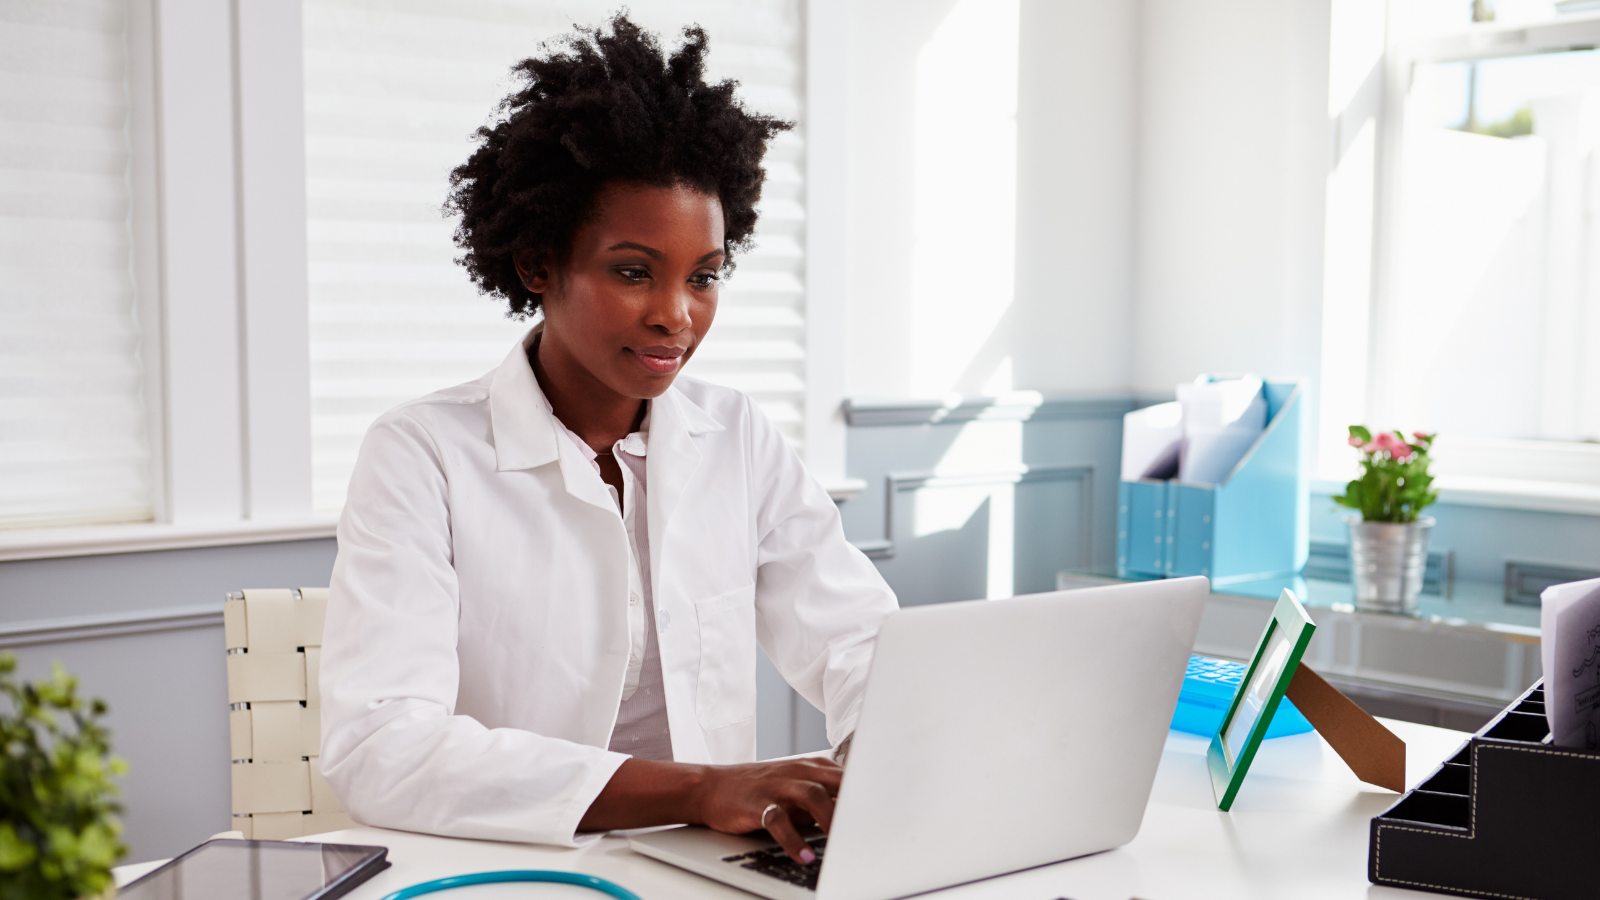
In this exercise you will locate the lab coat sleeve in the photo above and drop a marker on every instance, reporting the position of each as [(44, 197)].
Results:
[(392, 748), (819, 600)]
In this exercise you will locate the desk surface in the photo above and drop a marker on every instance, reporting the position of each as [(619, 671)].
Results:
[(1298, 829)]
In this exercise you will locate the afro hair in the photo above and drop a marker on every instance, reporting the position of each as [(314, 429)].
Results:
[(598, 108)]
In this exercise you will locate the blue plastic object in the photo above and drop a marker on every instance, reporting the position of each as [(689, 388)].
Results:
[(609, 888), (1208, 689)]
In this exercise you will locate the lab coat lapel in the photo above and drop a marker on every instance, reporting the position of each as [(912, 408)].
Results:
[(673, 457), (526, 435)]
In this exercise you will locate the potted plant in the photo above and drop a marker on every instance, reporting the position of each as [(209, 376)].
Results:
[(1389, 540), (58, 837)]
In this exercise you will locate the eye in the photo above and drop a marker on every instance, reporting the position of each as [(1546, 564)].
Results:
[(704, 279), (633, 273)]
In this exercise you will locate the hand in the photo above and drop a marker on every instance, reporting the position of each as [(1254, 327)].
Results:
[(735, 799), (646, 792)]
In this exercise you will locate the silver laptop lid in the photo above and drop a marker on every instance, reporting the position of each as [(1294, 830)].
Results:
[(1001, 735)]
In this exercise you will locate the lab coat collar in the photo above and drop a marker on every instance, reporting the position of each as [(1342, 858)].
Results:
[(526, 435)]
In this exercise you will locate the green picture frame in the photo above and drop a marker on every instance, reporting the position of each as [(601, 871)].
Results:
[(1277, 656)]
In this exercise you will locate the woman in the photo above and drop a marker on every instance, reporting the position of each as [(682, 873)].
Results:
[(551, 581)]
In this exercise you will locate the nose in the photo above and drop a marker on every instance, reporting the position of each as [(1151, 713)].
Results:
[(669, 310)]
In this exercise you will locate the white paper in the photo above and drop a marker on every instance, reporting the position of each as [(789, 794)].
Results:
[(1150, 440), (1221, 420), (1569, 648)]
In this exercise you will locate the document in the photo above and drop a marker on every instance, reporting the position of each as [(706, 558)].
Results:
[(1221, 421), (1569, 648), (1150, 441)]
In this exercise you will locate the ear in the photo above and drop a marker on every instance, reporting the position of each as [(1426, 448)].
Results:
[(531, 271)]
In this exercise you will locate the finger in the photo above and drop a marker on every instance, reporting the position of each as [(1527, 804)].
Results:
[(801, 818), (830, 775), (783, 831), (814, 799)]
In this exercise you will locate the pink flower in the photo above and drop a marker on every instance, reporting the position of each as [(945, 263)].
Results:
[(1387, 441), (1369, 447), (1355, 441), (1421, 435), (1404, 451)]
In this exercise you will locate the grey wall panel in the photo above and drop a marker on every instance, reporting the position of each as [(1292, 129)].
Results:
[(1063, 511), (169, 719), (165, 679), (119, 582), (1091, 439), (1485, 538), (1048, 537), (775, 706), (940, 566)]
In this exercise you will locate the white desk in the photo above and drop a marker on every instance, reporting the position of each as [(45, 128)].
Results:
[(1298, 829)]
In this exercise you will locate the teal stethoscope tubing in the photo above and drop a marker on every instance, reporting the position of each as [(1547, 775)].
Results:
[(444, 884)]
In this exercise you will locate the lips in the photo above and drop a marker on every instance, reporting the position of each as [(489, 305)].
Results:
[(659, 360)]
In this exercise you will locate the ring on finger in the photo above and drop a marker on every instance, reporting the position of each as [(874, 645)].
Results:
[(764, 812)]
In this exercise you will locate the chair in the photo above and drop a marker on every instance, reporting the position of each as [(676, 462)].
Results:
[(274, 641)]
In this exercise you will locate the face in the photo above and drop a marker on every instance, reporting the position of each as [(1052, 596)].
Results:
[(631, 304)]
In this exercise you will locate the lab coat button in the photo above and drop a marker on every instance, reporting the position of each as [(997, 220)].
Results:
[(633, 599)]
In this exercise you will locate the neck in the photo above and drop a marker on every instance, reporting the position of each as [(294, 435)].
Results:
[(583, 403)]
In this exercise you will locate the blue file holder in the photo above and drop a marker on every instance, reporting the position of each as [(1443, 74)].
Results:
[(1255, 524)]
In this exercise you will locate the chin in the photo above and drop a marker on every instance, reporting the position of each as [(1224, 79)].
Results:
[(646, 388)]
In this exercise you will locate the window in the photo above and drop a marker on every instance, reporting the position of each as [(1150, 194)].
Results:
[(393, 93), (1485, 306), (1494, 318), (73, 429)]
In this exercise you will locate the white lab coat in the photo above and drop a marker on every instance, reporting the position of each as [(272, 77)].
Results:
[(477, 632)]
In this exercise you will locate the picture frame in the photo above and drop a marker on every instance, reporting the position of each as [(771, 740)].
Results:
[(1273, 666)]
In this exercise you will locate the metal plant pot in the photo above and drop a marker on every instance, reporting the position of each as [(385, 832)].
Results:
[(1387, 561)]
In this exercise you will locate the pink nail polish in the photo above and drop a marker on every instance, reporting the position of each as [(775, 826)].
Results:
[(807, 857)]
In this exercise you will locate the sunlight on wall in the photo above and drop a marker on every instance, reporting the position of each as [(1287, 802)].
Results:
[(1346, 302), (1355, 43), (1356, 34), (983, 449), (964, 205)]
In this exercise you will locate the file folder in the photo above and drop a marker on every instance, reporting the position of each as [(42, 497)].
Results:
[(1253, 525)]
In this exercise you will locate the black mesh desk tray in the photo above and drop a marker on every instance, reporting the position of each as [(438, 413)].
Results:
[(1509, 816)]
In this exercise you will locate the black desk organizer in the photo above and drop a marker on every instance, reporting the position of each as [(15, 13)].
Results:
[(1509, 817)]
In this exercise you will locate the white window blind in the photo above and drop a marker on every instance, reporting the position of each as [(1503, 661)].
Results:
[(72, 419), (394, 90)]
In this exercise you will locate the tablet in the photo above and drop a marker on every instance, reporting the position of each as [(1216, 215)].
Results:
[(260, 870)]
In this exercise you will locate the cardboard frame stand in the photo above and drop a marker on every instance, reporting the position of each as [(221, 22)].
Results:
[(1374, 753)]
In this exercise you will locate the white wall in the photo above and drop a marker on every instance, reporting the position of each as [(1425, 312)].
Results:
[(1170, 163), (885, 37), (1234, 151), (1076, 167)]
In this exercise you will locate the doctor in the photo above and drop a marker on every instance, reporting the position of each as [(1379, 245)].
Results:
[(552, 580)]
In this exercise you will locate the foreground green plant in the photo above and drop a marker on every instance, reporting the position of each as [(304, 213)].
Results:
[(58, 837), (1394, 485)]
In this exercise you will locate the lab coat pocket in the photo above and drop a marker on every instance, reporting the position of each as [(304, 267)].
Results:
[(726, 694)]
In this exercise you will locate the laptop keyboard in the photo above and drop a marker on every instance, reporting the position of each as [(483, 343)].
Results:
[(773, 861), (1215, 671)]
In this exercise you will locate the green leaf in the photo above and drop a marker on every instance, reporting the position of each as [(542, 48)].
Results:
[(58, 836), (1360, 431), (15, 853)]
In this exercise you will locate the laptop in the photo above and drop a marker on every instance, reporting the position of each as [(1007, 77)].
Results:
[(995, 735)]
